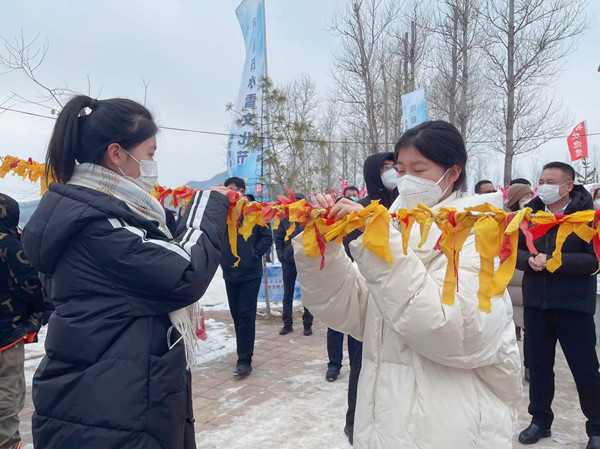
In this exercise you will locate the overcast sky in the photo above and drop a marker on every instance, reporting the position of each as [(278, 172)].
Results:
[(191, 52)]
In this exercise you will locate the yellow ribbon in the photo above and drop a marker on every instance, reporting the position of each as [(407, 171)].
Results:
[(496, 232)]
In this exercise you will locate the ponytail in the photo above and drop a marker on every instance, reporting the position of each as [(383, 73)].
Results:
[(61, 155), (84, 137)]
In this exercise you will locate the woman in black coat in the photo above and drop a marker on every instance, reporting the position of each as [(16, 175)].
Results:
[(114, 375)]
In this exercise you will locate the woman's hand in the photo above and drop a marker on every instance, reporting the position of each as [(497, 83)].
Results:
[(343, 208)]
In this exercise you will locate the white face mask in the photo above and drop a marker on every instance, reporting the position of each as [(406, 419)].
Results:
[(148, 174), (389, 178), (415, 190), (522, 204), (549, 194), (596, 204)]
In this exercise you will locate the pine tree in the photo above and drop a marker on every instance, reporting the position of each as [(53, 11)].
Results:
[(587, 173)]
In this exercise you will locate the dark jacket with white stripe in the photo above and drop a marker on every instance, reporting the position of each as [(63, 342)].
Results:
[(108, 379)]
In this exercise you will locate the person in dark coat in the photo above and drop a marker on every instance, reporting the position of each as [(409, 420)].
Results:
[(560, 306), (171, 221), (243, 283), (180, 214), (21, 308), (380, 175), (285, 254), (114, 375)]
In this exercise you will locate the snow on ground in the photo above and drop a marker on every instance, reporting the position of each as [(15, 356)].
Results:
[(215, 297), (312, 414), (219, 342)]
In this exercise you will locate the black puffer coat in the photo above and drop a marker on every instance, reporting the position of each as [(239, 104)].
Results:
[(108, 380), (573, 285), (21, 298)]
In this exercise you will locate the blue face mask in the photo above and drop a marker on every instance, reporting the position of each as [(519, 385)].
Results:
[(354, 199)]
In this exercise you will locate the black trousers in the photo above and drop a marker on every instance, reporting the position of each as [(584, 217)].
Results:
[(289, 281), (355, 355), (242, 297), (335, 343), (577, 336), (525, 351), (335, 346)]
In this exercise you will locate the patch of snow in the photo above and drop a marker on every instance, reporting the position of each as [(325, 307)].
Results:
[(219, 342), (215, 297), (312, 415)]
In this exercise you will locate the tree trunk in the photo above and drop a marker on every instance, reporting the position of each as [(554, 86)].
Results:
[(398, 104), (406, 63), (510, 91), (266, 285), (365, 63), (454, 77), (413, 55), (464, 113), (386, 117)]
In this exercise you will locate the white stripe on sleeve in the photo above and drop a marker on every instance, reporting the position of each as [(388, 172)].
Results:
[(142, 234)]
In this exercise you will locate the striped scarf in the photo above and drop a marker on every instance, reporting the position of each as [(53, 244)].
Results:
[(107, 181)]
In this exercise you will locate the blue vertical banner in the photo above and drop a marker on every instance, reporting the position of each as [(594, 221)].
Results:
[(275, 284), (244, 159), (413, 109)]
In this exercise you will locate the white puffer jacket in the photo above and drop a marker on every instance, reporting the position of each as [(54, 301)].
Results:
[(433, 376)]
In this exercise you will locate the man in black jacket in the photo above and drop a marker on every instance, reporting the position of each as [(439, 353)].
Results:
[(243, 283), (285, 254), (560, 306), (21, 307)]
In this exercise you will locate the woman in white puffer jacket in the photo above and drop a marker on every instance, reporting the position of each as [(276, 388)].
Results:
[(433, 376)]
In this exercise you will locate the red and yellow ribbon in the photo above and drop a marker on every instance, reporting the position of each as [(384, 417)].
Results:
[(26, 169), (496, 232)]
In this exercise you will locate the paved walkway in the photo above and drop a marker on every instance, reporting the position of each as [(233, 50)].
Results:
[(286, 402)]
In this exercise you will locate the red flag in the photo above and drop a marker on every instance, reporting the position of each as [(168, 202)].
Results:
[(577, 142)]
